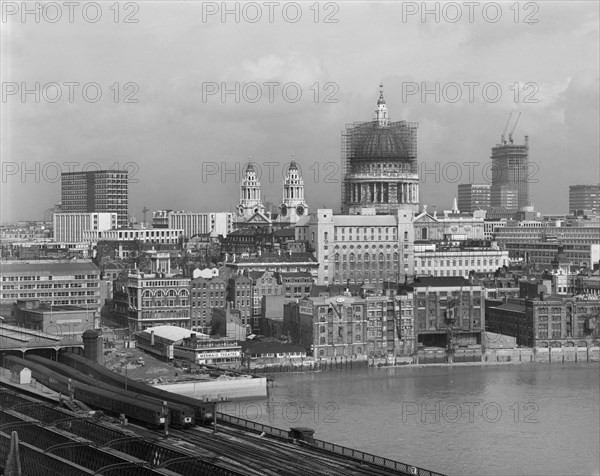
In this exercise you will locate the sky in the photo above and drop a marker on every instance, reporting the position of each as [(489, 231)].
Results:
[(191, 90)]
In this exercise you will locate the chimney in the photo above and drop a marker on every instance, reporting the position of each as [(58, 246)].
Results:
[(152, 338), (541, 295), (194, 339)]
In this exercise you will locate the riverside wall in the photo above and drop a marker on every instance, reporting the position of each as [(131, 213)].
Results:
[(432, 356), (230, 389)]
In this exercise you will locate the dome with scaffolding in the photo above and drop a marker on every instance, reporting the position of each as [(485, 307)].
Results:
[(382, 143)]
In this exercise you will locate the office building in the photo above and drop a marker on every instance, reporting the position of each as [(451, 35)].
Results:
[(474, 196), (584, 198), (70, 227), (101, 191)]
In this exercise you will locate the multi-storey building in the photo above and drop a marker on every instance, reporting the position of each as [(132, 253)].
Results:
[(448, 311), (540, 242), (143, 235), (359, 248), (206, 294), (490, 227), (160, 218), (435, 259), (281, 262), (56, 282), (547, 321), (264, 283), (349, 326), (146, 300), (474, 196), (449, 226), (70, 227), (296, 285), (379, 164), (101, 191), (405, 302), (195, 223), (510, 167), (584, 197), (57, 320), (239, 293)]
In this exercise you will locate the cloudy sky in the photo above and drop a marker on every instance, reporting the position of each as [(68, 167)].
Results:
[(302, 71)]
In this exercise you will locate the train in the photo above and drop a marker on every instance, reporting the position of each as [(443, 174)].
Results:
[(94, 396), (203, 411), (181, 416)]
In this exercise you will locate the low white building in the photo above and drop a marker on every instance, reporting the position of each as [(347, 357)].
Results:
[(435, 260), (70, 227), (196, 223), (171, 342), (144, 235)]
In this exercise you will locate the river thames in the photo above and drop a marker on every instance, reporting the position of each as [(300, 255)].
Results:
[(534, 419)]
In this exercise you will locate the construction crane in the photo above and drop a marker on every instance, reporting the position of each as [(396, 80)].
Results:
[(503, 136), (510, 139), (144, 211)]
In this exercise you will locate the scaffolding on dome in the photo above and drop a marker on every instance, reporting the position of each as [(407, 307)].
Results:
[(357, 132)]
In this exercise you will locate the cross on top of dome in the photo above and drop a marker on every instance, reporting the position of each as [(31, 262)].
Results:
[(381, 99), (381, 111), (293, 162)]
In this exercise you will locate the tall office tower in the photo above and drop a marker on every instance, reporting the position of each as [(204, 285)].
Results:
[(379, 164), (102, 191), (510, 184), (473, 196), (584, 197)]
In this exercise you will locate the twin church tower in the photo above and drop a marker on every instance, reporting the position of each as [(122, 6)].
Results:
[(292, 207)]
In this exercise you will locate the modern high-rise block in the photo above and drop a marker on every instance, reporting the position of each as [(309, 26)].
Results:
[(102, 191), (510, 181), (584, 197), (473, 196)]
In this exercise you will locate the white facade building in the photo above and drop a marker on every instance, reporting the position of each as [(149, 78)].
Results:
[(359, 248), (70, 227), (152, 235), (432, 260), (196, 223)]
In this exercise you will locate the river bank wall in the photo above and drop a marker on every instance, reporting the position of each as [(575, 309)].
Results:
[(438, 357)]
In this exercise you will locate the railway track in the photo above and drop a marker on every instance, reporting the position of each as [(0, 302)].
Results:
[(267, 456)]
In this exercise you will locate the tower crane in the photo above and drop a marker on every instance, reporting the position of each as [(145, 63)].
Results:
[(510, 135), (503, 136)]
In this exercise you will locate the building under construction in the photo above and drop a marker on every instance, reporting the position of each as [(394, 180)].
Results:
[(510, 168), (379, 165)]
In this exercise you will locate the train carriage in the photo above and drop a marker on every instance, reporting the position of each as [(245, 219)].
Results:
[(94, 396), (181, 416), (203, 410)]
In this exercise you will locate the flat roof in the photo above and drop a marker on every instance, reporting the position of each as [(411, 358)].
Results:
[(16, 338), (172, 333), (54, 267)]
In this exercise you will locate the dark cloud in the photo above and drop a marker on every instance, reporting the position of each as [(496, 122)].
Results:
[(173, 131)]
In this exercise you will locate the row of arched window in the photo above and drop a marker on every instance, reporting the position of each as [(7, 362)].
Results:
[(170, 293)]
